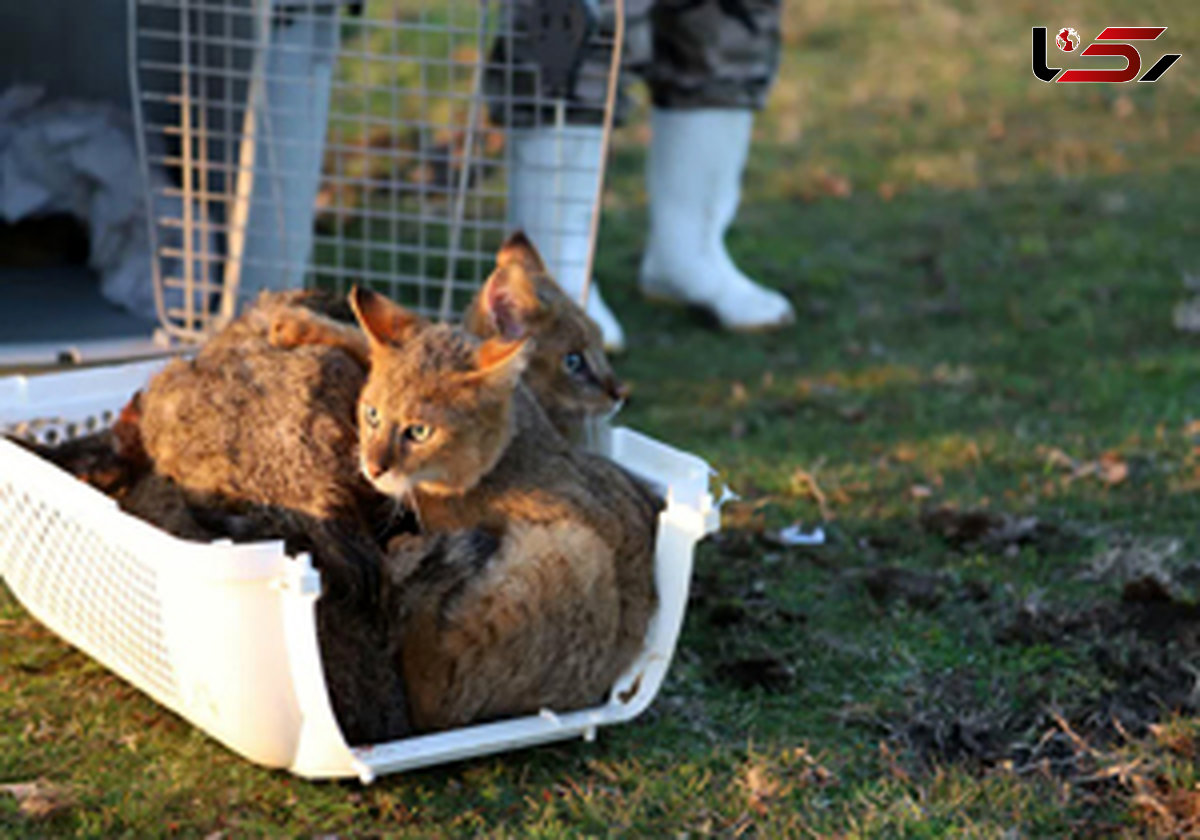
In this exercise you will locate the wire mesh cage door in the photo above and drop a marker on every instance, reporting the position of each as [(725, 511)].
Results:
[(392, 143)]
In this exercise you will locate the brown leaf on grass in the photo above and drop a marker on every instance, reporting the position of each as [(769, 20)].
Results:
[(760, 787), (1112, 469), (39, 798), (1055, 457), (812, 772), (1178, 741), (895, 770), (1171, 812), (1192, 428), (835, 185), (804, 483)]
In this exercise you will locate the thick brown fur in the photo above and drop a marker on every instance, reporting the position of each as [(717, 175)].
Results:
[(560, 607), (567, 370), (262, 442), (526, 592)]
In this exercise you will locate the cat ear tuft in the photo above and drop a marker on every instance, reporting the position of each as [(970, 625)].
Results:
[(383, 321), (500, 363), (510, 301), (518, 249)]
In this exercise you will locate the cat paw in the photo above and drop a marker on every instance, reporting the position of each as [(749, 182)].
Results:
[(287, 329)]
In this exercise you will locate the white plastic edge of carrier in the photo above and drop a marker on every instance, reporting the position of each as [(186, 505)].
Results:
[(228, 633)]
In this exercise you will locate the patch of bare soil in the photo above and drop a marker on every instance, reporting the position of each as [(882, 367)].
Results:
[(1143, 651), (1134, 662), (995, 532)]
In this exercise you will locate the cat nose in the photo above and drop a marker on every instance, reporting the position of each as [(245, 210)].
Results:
[(617, 389), (377, 460)]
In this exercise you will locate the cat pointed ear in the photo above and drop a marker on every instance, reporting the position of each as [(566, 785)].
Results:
[(500, 363), (384, 322), (519, 250), (509, 300)]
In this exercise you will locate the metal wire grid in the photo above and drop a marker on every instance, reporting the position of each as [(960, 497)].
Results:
[(322, 143)]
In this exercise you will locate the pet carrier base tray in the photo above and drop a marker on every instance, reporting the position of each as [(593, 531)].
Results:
[(225, 634)]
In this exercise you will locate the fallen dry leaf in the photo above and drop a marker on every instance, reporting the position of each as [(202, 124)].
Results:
[(804, 483), (1112, 469), (1177, 741), (1057, 458), (760, 787), (834, 185), (39, 798)]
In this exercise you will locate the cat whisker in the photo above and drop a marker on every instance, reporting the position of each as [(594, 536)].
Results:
[(612, 412)]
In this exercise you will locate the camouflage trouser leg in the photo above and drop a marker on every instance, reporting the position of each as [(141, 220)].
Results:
[(713, 53), (692, 54)]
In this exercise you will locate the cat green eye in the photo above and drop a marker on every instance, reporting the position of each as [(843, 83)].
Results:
[(418, 432), (574, 362), (371, 415)]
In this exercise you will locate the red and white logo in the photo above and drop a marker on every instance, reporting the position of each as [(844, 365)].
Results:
[(1115, 41), (1067, 39)]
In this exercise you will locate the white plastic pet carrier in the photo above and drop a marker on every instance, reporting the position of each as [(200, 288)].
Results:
[(313, 142)]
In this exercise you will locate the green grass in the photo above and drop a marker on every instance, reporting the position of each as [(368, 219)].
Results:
[(985, 268)]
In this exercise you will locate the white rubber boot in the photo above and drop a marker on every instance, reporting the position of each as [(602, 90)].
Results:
[(552, 190), (694, 181)]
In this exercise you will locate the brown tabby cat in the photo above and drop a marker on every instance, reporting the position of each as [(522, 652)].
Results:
[(266, 433), (263, 442), (567, 371), (553, 616)]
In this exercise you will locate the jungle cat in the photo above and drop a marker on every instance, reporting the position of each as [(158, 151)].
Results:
[(299, 403), (567, 370), (262, 442), (560, 607)]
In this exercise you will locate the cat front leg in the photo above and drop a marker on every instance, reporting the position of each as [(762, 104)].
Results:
[(297, 326)]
